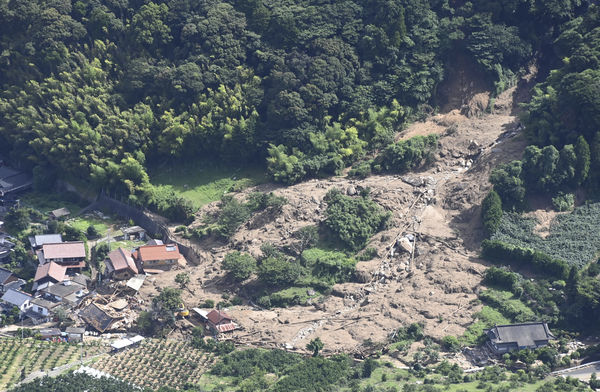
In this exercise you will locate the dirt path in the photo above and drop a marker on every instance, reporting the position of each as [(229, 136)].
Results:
[(437, 285)]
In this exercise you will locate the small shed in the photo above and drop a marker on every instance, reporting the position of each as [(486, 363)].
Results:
[(133, 233), (60, 213), (50, 333), (75, 334)]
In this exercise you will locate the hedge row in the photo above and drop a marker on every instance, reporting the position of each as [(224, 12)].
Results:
[(499, 251)]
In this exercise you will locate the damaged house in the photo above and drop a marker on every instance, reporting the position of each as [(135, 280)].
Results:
[(120, 265)]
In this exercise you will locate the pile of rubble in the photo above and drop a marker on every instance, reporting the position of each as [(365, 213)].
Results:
[(116, 310)]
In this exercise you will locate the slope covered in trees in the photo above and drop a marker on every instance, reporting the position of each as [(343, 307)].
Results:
[(104, 89)]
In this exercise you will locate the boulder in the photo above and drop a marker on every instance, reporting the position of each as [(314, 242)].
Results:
[(405, 244)]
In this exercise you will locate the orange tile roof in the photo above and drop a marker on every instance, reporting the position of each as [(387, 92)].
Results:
[(52, 270), (158, 252), (64, 250), (121, 259)]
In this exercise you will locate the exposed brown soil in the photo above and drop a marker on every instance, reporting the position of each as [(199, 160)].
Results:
[(437, 287)]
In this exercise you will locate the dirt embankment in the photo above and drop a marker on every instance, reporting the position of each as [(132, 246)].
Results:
[(435, 285)]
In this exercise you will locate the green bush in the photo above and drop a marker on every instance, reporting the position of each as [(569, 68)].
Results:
[(332, 267), (306, 237), (231, 215), (278, 271), (368, 254), (413, 332), (208, 304), (508, 184), (499, 251), (408, 154), (501, 277), (451, 343), (491, 212), (242, 364), (361, 170), (166, 202), (290, 296), (563, 201), (353, 220), (258, 201), (239, 265)]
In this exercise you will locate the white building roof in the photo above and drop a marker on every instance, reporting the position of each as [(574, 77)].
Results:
[(121, 343), (136, 282)]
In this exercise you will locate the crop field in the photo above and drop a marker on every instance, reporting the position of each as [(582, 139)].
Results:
[(21, 358), (573, 237), (156, 363), (203, 185)]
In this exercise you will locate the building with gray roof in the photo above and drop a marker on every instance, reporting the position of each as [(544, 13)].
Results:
[(505, 338), (17, 298), (37, 241)]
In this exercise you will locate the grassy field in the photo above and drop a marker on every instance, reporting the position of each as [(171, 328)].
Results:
[(46, 202), (21, 358), (156, 362), (574, 237), (129, 245), (485, 318), (203, 185), (83, 222)]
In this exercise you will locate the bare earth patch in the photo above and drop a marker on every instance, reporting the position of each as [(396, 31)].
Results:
[(435, 287)]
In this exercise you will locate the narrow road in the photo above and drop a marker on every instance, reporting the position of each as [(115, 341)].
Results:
[(583, 372), (57, 370)]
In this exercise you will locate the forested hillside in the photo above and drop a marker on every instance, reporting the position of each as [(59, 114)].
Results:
[(104, 89)]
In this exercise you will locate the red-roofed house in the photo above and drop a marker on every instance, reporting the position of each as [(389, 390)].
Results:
[(48, 274), (69, 254), (157, 257), (220, 322), (120, 265)]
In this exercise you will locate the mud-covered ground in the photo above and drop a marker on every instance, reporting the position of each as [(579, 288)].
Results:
[(439, 205)]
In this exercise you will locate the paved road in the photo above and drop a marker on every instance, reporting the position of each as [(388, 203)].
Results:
[(584, 373), (57, 370)]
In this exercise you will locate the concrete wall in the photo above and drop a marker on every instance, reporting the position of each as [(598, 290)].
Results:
[(145, 219)]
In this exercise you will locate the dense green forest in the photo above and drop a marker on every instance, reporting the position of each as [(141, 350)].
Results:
[(103, 90)]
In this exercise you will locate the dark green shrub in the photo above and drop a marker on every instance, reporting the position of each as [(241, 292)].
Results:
[(451, 343), (501, 277), (563, 201), (361, 170), (407, 154), (239, 265), (499, 251), (368, 254), (491, 212), (353, 220), (208, 304)]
